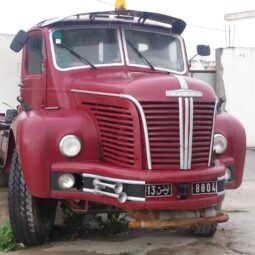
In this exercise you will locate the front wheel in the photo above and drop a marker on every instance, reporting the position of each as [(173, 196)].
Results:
[(207, 230), (31, 218)]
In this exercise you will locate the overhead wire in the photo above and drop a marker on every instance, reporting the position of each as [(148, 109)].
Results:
[(192, 25), (105, 2), (207, 28)]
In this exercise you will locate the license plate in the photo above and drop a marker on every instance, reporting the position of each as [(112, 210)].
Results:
[(158, 190), (204, 188)]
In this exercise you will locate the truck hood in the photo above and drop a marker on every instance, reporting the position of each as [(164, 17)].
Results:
[(144, 86)]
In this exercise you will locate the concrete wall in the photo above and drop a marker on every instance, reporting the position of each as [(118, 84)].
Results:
[(236, 80), (207, 76), (9, 78), (204, 70)]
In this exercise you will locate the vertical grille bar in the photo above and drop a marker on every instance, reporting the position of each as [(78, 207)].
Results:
[(213, 126), (181, 133), (190, 131), (186, 133)]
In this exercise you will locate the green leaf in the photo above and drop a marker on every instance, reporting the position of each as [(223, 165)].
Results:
[(7, 240)]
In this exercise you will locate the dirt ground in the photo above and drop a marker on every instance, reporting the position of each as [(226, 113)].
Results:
[(233, 237)]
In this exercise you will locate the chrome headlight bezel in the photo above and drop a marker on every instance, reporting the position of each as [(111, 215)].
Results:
[(220, 144), (70, 146)]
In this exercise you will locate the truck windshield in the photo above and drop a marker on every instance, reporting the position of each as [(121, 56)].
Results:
[(160, 50), (94, 46)]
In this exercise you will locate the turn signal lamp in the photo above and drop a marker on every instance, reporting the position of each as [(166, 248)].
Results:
[(120, 4)]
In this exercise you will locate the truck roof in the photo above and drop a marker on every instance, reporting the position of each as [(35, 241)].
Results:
[(177, 26)]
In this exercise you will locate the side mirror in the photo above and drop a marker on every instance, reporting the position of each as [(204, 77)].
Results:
[(19, 41), (203, 50)]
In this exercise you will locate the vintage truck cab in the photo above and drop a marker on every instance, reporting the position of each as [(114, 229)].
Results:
[(109, 117)]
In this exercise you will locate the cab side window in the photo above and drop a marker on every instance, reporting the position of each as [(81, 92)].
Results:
[(34, 56)]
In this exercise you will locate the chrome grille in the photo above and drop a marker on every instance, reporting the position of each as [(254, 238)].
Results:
[(163, 121), (163, 128), (202, 131), (116, 133)]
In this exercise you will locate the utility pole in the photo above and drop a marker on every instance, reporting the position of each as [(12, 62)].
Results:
[(239, 15)]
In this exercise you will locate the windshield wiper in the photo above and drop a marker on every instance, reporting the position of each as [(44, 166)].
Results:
[(140, 55), (77, 55)]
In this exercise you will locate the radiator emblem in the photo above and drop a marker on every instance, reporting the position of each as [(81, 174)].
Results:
[(183, 93)]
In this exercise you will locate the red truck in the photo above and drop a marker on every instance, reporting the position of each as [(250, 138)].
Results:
[(109, 118)]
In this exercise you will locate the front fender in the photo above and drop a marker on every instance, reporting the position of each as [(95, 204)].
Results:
[(233, 130), (29, 131), (37, 135)]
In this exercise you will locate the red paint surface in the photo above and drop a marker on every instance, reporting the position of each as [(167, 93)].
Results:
[(38, 132)]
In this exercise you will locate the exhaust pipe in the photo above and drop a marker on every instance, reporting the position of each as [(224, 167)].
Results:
[(122, 197), (117, 188)]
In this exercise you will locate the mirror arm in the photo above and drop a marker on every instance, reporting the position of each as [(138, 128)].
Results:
[(192, 58)]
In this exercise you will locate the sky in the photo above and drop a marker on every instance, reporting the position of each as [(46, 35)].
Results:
[(205, 19)]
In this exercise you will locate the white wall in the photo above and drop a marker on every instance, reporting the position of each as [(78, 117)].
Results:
[(8, 73), (237, 69)]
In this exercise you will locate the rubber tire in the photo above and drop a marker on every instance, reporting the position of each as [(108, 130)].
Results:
[(204, 230), (3, 179), (31, 218)]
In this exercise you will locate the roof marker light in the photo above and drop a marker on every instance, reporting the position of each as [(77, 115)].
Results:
[(120, 5)]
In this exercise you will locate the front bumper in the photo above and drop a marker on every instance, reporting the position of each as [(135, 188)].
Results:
[(175, 223), (134, 183)]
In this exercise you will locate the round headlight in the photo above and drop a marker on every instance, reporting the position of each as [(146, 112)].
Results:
[(220, 143), (70, 146), (66, 181)]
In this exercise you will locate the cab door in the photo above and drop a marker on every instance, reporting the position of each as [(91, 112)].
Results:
[(33, 73)]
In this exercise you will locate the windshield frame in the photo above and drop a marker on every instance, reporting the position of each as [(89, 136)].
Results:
[(144, 29), (102, 26)]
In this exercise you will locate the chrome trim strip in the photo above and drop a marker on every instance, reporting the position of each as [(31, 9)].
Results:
[(120, 41), (124, 46), (182, 81), (186, 133), (191, 108), (186, 140), (221, 178), (83, 67), (113, 179), (140, 109), (181, 132), (213, 127), (52, 108), (222, 193), (88, 190), (135, 199)]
